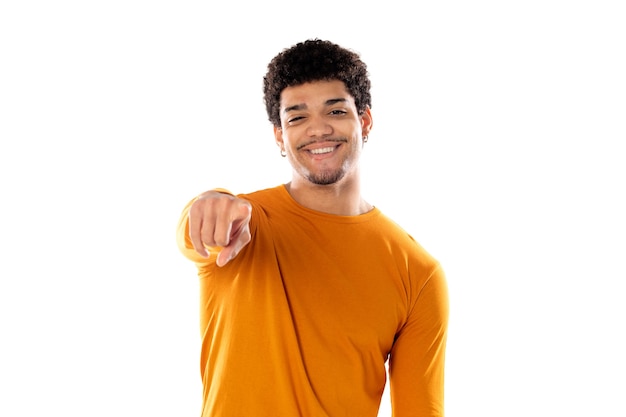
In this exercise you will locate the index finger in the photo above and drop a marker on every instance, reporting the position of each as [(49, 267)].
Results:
[(239, 212)]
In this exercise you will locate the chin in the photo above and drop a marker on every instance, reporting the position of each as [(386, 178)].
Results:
[(326, 178)]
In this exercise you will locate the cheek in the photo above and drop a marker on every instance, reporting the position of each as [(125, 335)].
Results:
[(288, 137)]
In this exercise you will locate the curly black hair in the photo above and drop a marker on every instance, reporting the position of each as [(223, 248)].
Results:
[(315, 60)]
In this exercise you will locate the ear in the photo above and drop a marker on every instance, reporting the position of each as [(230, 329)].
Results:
[(366, 122), (278, 137)]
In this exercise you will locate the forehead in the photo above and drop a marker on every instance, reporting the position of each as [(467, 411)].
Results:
[(314, 93)]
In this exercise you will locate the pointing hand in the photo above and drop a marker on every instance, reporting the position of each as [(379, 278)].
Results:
[(219, 220)]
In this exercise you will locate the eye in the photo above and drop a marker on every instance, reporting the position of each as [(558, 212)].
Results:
[(294, 119), (338, 112)]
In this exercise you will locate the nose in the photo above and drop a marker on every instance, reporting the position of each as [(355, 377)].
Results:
[(318, 127)]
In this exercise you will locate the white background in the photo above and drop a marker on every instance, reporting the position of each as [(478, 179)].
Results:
[(498, 143)]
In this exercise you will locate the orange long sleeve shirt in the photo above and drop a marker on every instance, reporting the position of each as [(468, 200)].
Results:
[(302, 321)]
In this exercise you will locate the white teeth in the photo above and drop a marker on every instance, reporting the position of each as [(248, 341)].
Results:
[(322, 150)]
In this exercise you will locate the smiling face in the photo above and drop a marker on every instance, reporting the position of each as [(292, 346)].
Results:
[(321, 131)]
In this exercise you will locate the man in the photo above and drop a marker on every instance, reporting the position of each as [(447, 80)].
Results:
[(306, 288)]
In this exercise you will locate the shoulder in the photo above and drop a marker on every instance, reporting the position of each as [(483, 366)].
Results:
[(416, 262), (267, 196), (401, 239)]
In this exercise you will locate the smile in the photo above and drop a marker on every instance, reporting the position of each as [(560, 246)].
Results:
[(322, 150)]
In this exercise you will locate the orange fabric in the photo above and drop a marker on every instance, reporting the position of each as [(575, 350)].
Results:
[(302, 321)]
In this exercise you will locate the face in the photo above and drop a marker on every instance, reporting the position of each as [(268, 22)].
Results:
[(321, 131)]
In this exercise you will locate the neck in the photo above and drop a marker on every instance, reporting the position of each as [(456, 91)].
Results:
[(343, 198)]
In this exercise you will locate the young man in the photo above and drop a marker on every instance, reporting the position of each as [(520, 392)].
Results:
[(306, 288)]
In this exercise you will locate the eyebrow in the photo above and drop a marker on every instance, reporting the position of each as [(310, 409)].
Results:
[(328, 102)]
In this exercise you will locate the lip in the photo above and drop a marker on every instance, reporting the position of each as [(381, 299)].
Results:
[(328, 143), (321, 150)]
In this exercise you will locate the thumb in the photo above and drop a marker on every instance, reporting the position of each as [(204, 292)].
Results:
[(234, 247)]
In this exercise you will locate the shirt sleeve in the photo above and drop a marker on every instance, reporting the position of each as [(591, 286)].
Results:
[(416, 362)]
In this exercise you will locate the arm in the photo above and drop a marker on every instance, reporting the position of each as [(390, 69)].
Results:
[(416, 363), (214, 219)]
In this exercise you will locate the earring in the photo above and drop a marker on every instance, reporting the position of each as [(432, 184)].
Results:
[(283, 153), (365, 138)]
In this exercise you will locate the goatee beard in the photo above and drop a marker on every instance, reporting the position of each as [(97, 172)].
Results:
[(326, 178)]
